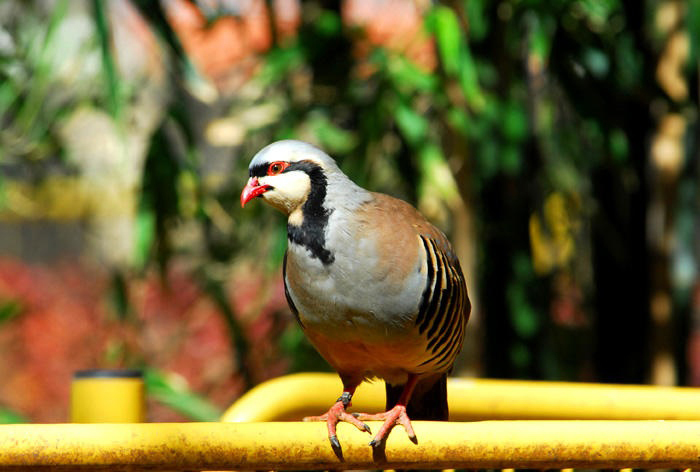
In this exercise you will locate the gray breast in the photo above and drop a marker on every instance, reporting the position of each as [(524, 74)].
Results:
[(352, 297)]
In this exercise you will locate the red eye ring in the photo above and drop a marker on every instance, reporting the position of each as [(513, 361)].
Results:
[(277, 167)]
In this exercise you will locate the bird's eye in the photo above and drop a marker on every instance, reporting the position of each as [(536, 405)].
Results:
[(277, 167)]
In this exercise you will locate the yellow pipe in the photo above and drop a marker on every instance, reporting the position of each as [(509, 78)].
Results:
[(296, 445), (298, 395), (107, 396)]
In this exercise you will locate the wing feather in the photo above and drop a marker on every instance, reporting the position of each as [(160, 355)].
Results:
[(444, 306)]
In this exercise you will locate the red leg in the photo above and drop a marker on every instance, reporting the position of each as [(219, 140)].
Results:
[(337, 413), (394, 416)]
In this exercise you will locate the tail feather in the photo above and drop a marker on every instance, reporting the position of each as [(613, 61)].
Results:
[(428, 401)]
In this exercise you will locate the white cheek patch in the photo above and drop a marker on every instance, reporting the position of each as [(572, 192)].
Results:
[(290, 189)]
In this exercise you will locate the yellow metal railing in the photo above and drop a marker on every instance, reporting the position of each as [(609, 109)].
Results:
[(299, 395), (295, 445), (568, 425)]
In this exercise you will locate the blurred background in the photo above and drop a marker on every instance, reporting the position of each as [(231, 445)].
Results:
[(556, 143)]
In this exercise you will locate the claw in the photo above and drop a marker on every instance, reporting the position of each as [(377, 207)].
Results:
[(365, 426), (391, 418), (335, 415)]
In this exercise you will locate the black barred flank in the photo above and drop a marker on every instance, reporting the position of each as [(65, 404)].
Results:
[(430, 280), (446, 356), (444, 349), (439, 338), (455, 346), (450, 324), (446, 296), (436, 289), (444, 306)]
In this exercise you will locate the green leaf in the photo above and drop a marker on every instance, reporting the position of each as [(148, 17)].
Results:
[(454, 53), (109, 70), (9, 94), (279, 62), (524, 318), (328, 23), (145, 235), (436, 175), (619, 147), (334, 139), (443, 23), (413, 126), (478, 20), (170, 390), (9, 309), (514, 122), (459, 119), (629, 61), (598, 12), (407, 77), (10, 417), (511, 162), (693, 25), (488, 160), (30, 118), (468, 79), (520, 355), (540, 36)]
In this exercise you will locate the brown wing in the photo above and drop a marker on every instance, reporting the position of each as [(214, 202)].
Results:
[(405, 237)]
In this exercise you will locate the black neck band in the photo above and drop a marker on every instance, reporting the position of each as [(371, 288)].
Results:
[(312, 232)]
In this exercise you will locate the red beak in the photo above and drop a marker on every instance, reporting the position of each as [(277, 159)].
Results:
[(252, 189)]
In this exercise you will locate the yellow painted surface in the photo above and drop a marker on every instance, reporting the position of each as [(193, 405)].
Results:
[(107, 400), (296, 445), (299, 395), (251, 438)]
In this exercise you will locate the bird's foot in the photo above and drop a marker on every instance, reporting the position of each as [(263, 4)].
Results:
[(335, 415), (391, 418)]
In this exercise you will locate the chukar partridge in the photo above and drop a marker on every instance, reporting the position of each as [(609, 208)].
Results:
[(376, 288)]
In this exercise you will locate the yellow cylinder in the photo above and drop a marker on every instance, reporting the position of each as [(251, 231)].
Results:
[(107, 396)]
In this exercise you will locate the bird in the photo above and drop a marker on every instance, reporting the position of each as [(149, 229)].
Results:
[(375, 287)]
